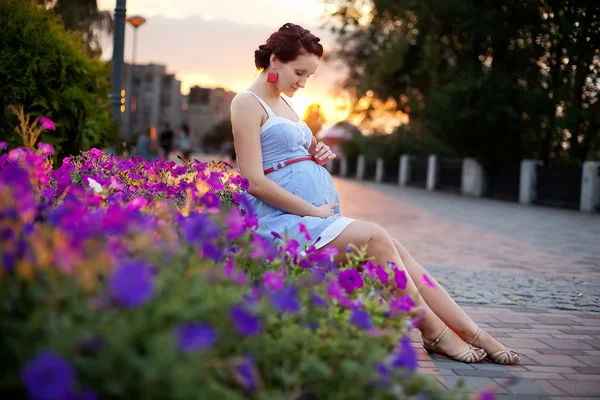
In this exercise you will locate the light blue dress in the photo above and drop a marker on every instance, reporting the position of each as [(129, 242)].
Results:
[(282, 139)]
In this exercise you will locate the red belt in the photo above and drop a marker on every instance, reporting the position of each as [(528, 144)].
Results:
[(285, 164)]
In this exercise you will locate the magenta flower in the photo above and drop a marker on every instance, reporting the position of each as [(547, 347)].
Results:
[(214, 180), (427, 281), (132, 284), (400, 278), (194, 336), (304, 231), (235, 223), (403, 304), (47, 123), (350, 279), (334, 291), (273, 280), (211, 200), (3, 146), (487, 395), (382, 274), (236, 275)]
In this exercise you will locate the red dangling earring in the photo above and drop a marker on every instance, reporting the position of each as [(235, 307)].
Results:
[(272, 77)]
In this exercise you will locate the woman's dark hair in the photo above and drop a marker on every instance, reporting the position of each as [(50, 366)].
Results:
[(289, 42)]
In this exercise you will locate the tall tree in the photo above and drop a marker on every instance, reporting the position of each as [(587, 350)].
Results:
[(499, 81), (84, 17)]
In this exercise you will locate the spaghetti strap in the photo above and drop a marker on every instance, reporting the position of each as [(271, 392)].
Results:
[(289, 103), (270, 112)]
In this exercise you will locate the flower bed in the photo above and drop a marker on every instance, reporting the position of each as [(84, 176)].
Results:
[(134, 279)]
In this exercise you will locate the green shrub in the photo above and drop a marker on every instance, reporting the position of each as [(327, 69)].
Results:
[(44, 68), (404, 140), (141, 280)]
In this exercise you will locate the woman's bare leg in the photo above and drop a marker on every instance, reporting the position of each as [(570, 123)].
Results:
[(381, 247), (444, 306)]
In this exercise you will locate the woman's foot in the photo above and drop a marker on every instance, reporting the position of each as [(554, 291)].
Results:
[(497, 352), (449, 344)]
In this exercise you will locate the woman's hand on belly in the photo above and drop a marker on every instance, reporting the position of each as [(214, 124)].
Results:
[(326, 210), (321, 152)]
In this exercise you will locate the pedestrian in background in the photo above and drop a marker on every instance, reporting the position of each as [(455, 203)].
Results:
[(166, 141)]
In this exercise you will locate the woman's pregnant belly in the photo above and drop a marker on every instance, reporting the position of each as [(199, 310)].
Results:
[(306, 180)]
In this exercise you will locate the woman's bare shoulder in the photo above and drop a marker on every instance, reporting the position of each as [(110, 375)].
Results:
[(244, 100)]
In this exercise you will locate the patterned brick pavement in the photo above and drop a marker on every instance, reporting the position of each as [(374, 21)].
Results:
[(542, 264)]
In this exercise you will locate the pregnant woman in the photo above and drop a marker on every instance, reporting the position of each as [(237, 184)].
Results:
[(290, 188)]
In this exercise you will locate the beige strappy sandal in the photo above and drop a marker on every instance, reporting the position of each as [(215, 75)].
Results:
[(504, 356), (467, 356)]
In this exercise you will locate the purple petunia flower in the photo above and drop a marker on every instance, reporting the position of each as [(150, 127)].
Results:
[(406, 357), (198, 227), (487, 395), (350, 279), (47, 123), (318, 275), (318, 300), (245, 323), (400, 278), (273, 280), (132, 284), (361, 318), (48, 376), (3, 145), (286, 300), (192, 336), (246, 374)]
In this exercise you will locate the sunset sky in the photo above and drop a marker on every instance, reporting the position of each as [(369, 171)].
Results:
[(211, 43)]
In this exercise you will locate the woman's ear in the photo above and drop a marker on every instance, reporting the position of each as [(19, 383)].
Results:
[(274, 60)]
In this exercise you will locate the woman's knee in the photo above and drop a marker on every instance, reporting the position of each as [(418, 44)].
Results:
[(400, 247), (379, 240)]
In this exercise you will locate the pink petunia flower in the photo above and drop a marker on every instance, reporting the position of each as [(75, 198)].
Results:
[(47, 123), (427, 281)]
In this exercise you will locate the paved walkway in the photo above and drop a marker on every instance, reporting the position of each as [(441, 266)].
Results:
[(530, 275)]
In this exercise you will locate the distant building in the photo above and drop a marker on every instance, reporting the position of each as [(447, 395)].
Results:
[(207, 108), (155, 99)]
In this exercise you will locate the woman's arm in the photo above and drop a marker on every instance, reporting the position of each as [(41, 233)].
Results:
[(246, 120)]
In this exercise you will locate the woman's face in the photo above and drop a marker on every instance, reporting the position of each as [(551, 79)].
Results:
[(294, 74)]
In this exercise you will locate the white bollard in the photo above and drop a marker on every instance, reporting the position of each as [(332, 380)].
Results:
[(404, 169), (432, 172), (471, 181), (343, 167), (527, 181), (590, 187), (379, 170), (360, 167)]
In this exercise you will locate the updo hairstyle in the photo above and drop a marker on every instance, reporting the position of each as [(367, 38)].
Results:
[(289, 42)]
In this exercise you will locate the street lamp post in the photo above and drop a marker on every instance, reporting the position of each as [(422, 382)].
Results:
[(136, 21), (117, 61)]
